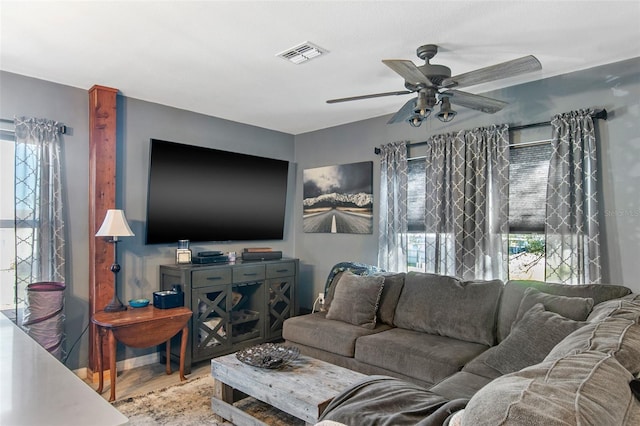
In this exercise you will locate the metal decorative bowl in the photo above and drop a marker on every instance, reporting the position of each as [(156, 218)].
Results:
[(138, 303), (268, 355)]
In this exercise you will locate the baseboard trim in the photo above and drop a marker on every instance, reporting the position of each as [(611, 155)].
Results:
[(126, 364)]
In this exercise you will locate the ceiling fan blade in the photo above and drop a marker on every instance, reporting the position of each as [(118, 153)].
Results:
[(408, 70), (375, 95), (494, 72), (403, 113), (477, 102)]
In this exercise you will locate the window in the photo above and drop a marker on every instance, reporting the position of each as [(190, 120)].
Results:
[(7, 215), (528, 170)]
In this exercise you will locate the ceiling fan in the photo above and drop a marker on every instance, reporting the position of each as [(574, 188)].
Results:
[(435, 85)]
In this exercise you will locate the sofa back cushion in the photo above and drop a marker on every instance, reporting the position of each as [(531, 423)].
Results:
[(448, 306), (619, 337), (590, 388), (625, 307), (514, 292)]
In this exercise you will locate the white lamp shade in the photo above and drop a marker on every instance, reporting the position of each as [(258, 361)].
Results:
[(115, 225)]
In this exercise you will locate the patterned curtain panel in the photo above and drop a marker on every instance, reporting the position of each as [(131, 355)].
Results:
[(392, 245), (40, 243), (572, 228), (466, 208)]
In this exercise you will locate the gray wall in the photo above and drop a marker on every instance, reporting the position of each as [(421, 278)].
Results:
[(138, 121), (615, 87), (23, 96)]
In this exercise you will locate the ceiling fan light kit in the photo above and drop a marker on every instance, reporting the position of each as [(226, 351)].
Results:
[(446, 114), (435, 86)]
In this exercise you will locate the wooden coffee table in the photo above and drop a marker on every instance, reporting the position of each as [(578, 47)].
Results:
[(303, 388)]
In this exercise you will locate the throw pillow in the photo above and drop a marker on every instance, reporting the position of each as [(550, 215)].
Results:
[(531, 340), (575, 308), (331, 290), (356, 299)]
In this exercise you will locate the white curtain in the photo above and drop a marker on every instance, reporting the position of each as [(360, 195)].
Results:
[(392, 245), (39, 224), (572, 225), (466, 208)]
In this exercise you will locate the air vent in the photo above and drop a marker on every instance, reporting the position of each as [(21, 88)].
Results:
[(302, 53)]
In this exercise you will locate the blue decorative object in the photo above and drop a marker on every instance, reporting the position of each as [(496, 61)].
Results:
[(138, 303)]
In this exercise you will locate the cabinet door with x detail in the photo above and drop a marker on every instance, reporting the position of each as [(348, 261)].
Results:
[(280, 304), (211, 306)]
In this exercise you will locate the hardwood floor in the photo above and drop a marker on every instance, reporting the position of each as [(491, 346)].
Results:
[(145, 379)]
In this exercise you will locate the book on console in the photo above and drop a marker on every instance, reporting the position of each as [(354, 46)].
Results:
[(257, 249)]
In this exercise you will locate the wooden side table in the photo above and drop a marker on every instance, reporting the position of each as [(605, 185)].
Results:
[(140, 328)]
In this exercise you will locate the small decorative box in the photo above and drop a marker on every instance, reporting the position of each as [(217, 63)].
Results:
[(168, 299)]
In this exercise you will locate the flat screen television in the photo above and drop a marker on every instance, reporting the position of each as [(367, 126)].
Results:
[(204, 194)]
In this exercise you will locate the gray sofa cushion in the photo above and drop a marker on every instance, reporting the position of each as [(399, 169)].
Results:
[(356, 299), (514, 291), (393, 284), (575, 308), (332, 336), (447, 306), (427, 357), (479, 367), (460, 385), (619, 337), (530, 340), (590, 388)]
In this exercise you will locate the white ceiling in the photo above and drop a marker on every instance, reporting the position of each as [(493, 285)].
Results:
[(219, 57)]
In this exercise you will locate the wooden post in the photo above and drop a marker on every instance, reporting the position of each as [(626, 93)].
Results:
[(102, 196)]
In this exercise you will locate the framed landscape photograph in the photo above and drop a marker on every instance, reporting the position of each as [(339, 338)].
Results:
[(338, 199)]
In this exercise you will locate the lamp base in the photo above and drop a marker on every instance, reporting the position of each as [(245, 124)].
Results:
[(115, 305)]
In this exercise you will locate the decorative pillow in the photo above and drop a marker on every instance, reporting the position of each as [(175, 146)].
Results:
[(332, 290), (531, 340), (393, 284), (448, 306), (514, 291), (575, 308), (590, 388), (619, 337), (356, 299)]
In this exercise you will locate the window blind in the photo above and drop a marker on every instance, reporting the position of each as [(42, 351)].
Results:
[(416, 169), (528, 171)]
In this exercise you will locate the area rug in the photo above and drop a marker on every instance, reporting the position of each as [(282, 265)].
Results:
[(189, 403)]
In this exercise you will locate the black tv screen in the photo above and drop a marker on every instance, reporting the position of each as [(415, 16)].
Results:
[(204, 194)]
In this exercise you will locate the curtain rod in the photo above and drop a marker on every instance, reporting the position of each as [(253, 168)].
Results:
[(599, 114), (61, 128)]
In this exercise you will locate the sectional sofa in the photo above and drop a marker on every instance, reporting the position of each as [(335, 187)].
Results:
[(492, 352)]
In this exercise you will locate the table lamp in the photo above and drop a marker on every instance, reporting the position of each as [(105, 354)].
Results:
[(115, 225)]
